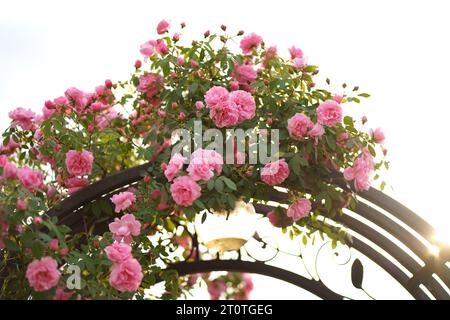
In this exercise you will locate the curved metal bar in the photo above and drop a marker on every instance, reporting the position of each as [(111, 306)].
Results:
[(98, 189), (315, 287)]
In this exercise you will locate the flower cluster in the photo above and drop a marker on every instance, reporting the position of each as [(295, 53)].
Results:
[(81, 137)]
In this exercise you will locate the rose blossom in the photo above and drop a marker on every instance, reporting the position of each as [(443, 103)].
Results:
[(30, 179), (245, 104), (126, 276), (151, 84), (361, 171), (43, 274), (118, 252), (316, 132), (295, 52), (79, 163), (185, 191), (203, 163), (216, 96), (377, 135), (299, 209), (79, 99), (274, 173), (299, 125), (125, 228), (300, 63), (10, 171), (174, 166), (225, 115), (3, 160), (244, 73), (123, 200), (74, 184), (22, 117), (250, 42), (329, 113), (162, 27)]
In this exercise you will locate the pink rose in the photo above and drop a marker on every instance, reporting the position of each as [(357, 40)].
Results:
[(361, 171), (79, 163), (300, 63), (23, 118), (79, 99), (10, 171), (43, 274), (118, 252), (54, 244), (60, 294), (31, 179), (149, 48), (244, 74), (162, 27), (126, 276), (123, 200), (151, 84), (377, 135), (174, 166), (250, 42), (185, 191), (216, 96), (74, 184), (203, 163), (295, 52), (244, 103), (199, 105), (22, 204), (299, 209), (125, 228), (329, 113), (299, 126), (225, 115), (338, 98), (274, 173), (3, 160), (316, 132)]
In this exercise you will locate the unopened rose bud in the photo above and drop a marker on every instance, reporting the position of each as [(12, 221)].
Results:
[(364, 119), (176, 37), (137, 64), (312, 85), (194, 64), (206, 34), (183, 25), (54, 244), (163, 166), (182, 116), (240, 33), (223, 27), (147, 179), (162, 114), (385, 151), (269, 121), (37, 220), (174, 105), (64, 251), (96, 243), (108, 83), (199, 105), (180, 61)]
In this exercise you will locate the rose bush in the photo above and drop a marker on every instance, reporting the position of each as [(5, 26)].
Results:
[(82, 137)]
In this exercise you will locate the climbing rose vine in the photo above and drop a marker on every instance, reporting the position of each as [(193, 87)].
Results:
[(82, 137)]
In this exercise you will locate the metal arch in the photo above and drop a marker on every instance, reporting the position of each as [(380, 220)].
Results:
[(313, 286), (66, 211)]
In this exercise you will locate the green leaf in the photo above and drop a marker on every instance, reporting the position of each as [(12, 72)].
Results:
[(10, 245), (218, 185), (229, 183)]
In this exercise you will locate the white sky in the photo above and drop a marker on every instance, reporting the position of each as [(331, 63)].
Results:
[(396, 50)]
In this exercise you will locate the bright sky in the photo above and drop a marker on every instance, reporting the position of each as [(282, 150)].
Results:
[(397, 51)]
